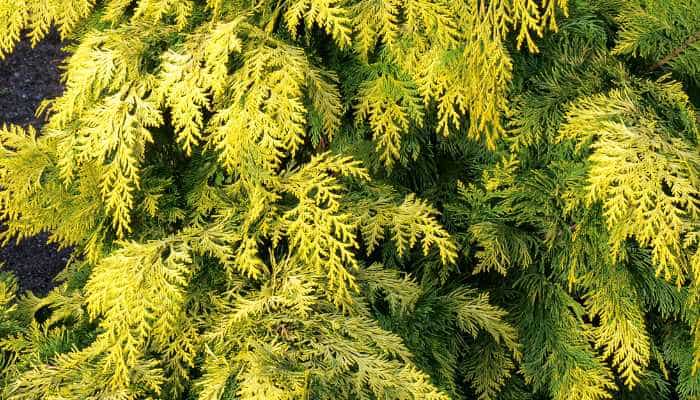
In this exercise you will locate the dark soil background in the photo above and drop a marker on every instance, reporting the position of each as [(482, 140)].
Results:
[(28, 76)]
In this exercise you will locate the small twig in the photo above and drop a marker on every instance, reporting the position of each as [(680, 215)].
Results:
[(676, 52)]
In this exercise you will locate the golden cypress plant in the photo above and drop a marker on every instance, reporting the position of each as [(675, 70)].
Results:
[(359, 199)]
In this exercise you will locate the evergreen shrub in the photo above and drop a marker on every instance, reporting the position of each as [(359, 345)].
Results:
[(359, 199)]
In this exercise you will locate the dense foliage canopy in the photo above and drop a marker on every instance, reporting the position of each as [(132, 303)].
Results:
[(359, 199)]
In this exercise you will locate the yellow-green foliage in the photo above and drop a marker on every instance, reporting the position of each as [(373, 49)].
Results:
[(38, 16), (664, 33), (359, 199), (644, 175), (281, 246)]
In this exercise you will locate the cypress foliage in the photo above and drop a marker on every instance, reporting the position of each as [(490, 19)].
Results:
[(360, 199)]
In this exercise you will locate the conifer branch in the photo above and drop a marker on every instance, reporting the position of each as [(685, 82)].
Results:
[(676, 52)]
